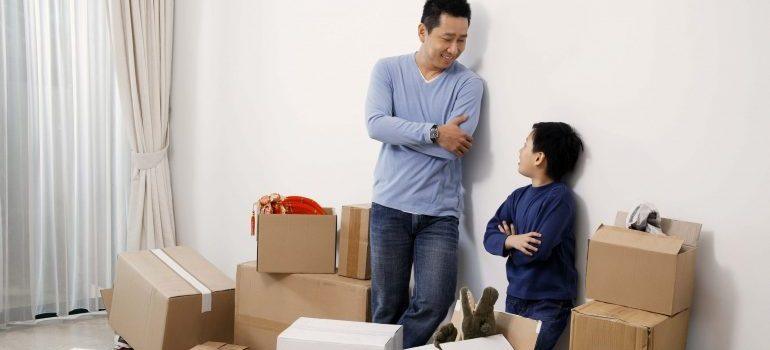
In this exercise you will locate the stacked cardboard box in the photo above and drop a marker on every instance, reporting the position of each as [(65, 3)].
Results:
[(354, 242), (293, 275), (642, 285), (266, 304)]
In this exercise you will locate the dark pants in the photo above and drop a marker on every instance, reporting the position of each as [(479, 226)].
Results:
[(398, 240), (553, 313)]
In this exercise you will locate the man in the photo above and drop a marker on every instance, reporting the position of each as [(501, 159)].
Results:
[(423, 107)]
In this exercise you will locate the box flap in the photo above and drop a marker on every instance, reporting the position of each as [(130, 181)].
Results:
[(307, 329), (168, 282), (200, 268), (495, 342), (521, 332), (627, 315), (210, 345), (687, 231), (157, 274), (636, 239), (106, 298)]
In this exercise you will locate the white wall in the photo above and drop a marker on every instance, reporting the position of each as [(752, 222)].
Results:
[(671, 98)]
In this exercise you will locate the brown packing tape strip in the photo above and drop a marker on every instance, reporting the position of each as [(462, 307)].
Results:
[(262, 323), (354, 230)]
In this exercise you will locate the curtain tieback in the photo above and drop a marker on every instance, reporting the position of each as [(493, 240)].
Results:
[(148, 160)]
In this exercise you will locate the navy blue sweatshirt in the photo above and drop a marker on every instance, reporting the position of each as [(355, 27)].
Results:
[(550, 272)]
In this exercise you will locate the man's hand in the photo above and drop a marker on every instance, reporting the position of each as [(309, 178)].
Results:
[(454, 139), (524, 243)]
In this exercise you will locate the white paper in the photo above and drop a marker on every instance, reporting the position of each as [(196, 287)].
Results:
[(320, 334)]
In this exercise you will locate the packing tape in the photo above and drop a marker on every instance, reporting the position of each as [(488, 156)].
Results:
[(205, 292)]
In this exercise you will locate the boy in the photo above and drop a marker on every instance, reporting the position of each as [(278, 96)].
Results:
[(533, 228)]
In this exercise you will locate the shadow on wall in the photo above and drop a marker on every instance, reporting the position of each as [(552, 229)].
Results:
[(714, 300), (582, 231), (478, 162)]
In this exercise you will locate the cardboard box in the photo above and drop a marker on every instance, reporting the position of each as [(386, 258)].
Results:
[(297, 243), (266, 304), (321, 334), (171, 299), (521, 332), (106, 299), (495, 342), (218, 346), (641, 270), (601, 326), (354, 242)]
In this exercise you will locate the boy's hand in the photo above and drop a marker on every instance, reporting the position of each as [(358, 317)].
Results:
[(524, 243)]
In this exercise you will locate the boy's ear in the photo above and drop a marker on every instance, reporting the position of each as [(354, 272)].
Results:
[(539, 159)]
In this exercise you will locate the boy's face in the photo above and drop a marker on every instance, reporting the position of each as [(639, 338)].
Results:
[(530, 163)]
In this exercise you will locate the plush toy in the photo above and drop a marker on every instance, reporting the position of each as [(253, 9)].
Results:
[(478, 319)]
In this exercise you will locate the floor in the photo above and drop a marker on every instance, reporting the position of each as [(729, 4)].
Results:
[(81, 332)]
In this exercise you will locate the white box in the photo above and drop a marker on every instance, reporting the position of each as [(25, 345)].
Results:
[(495, 342), (320, 334)]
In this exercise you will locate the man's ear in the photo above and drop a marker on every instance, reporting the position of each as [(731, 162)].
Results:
[(422, 32), (540, 159)]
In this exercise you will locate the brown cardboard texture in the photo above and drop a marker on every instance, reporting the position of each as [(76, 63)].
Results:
[(641, 270), (266, 304), (601, 326), (354, 242), (297, 243), (106, 299), (520, 331), (153, 307), (218, 346)]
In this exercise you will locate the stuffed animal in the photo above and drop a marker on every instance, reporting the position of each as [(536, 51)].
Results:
[(478, 319)]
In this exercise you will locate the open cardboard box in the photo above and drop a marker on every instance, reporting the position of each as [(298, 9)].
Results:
[(642, 270), (297, 243), (521, 332)]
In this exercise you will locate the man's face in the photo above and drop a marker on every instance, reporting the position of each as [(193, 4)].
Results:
[(444, 44)]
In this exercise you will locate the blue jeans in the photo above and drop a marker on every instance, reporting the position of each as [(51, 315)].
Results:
[(397, 240), (553, 313)]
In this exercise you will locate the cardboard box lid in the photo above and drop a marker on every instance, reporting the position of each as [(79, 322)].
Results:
[(521, 332), (495, 342), (622, 314), (219, 346), (167, 282), (689, 232), (359, 206), (638, 240), (340, 332)]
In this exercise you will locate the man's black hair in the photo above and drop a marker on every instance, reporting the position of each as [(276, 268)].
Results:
[(431, 12), (560, 144)]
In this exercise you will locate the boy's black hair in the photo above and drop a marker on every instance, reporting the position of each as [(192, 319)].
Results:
[(561, 146), (431, 12)]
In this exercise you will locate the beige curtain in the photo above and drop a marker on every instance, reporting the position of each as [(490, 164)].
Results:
[(141, 31)]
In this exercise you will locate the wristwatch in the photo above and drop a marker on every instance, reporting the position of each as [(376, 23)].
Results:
[(434, 133)]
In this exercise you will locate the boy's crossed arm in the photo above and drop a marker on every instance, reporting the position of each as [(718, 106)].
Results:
[(501, 237)]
